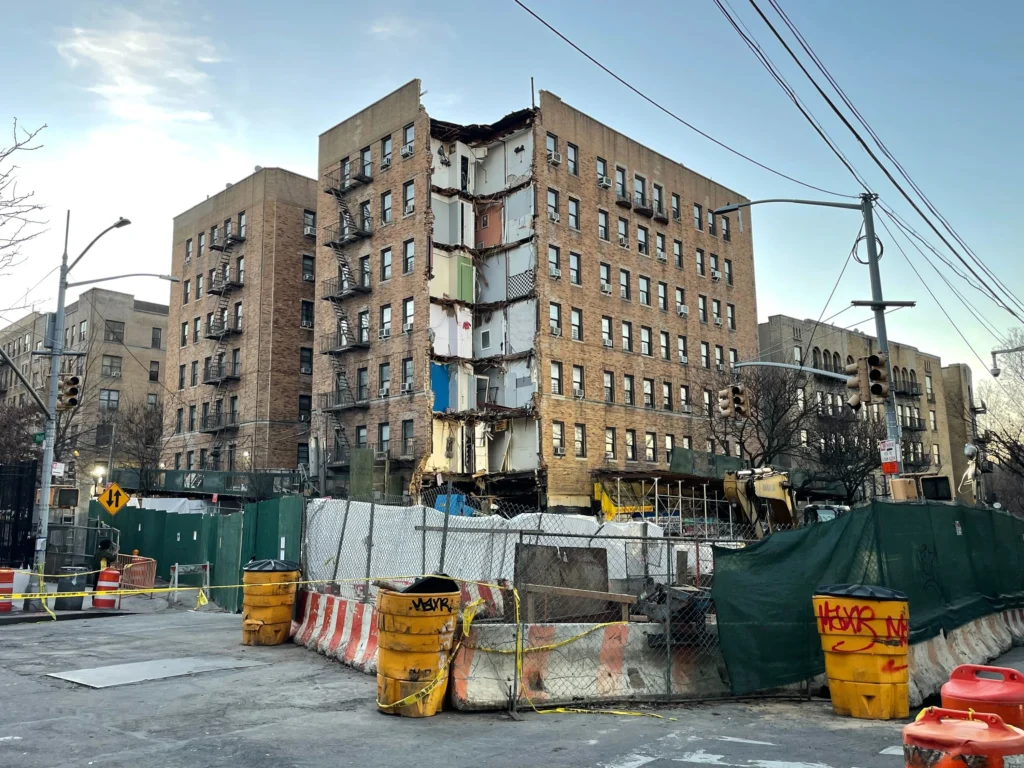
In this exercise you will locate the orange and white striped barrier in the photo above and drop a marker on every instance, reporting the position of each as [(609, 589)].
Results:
[(137, 572), (109, 580), (6, 590), (341, 629)]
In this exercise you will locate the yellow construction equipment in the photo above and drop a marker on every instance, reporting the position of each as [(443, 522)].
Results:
[(765, 497)]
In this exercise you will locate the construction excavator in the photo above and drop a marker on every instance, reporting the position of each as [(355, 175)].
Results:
[(765, 498)]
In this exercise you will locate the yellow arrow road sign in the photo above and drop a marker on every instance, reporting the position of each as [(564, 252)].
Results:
[(113, 498)]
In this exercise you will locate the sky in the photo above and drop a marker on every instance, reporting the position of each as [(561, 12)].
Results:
[(152, 106)]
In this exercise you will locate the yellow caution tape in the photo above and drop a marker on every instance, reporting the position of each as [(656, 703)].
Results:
[(201, 601)]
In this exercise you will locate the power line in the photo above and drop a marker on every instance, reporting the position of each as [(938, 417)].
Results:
[(874, 158), (669, 112), (842, 272)]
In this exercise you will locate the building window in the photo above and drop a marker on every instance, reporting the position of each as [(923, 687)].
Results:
[(705, 354), (408, 310), (659, 242), (83, 330), (730, 315), (574, 269), (711, 224), (194, 376), (630, 445), (556, 377), (665, 355), (188, 251), (701, 269), (109, 399), (384, 437), (408, 256), (306, 314), (385, 319), (698, 217), (576, 320), (648, 385), (640, 190), (409, 137), (677, 253), (644, 290), (558, 437), (407, 437), (651, 446), (571, 159), (627, 336), (199, 287), (609, 387), (602, 168), (154, 370), (305, 407), (623, 233), (554, 261), (663, 296), (156, 341), (936, 460), (366, 160), (409, 198), (308, 268), (624, 284), (385, 152), (385, 207), (574, 214), (681, 348), (932, 421), (620, 183), (734, 357), (602, 225), (555, 318), (675, 207), (578, 381), (385, 264), (407, 372), (362, 384), (719, 356), (551, 143), (641, 240), (363, 326), (553, 204), (670, 447), (181, 377), (305, 359), (384, 379), (179, 418), (666, 395), (726, 232), (798, 355), (606, 331), (713, 261), (186, 291), (609, 442), (928, 387), (716, 310), (702, 308), (684, 395), (309, 221), (111, 366), (658, 198), (628, 393), (708, 408)]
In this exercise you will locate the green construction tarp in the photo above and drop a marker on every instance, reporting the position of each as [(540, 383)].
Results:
[(954, 563)]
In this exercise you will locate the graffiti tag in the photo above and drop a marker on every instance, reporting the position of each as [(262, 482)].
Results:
[(858, 620), (431, 604)]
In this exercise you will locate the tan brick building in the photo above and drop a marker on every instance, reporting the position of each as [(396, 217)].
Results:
[(123, 342), (934, 404), (517, 305), (240, 356)]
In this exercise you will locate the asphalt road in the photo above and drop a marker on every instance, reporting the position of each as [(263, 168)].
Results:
[(299, 709)]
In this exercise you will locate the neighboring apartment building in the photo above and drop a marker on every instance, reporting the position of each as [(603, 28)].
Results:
[(934, 405), (517, 306), (240, 359), (124, 342)]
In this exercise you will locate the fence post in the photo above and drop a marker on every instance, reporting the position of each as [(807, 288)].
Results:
[(517, 665), (647, 558), (444, 530), (423, 546), (341, 540), (369, 553), (696, 572), (668, 617)]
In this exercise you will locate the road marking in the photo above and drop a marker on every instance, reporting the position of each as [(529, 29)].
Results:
[(705, 758), (892, 750), (632, 761), (10, 738), (737, 740)]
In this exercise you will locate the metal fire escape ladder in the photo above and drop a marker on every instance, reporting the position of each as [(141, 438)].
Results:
[(218, 328)]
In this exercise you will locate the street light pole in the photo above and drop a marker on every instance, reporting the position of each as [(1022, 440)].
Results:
[(36, 585), (878, 304)]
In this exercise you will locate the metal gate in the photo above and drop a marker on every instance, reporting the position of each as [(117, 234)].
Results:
[(17, 495)]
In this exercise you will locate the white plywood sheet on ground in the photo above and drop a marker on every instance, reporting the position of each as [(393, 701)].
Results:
[(157, 669)]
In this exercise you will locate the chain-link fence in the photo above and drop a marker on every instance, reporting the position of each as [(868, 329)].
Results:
[(567, 608)]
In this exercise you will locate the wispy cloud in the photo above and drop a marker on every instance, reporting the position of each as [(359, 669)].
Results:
[(397, 28), (145, 71)]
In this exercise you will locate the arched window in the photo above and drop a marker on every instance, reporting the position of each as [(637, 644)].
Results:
[(849, 359), (837, 363), (816, 358), (913, 377), (826, 361)]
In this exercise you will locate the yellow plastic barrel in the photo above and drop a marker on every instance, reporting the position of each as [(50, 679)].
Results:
[(268, 601), (415, 636), (864, 633)]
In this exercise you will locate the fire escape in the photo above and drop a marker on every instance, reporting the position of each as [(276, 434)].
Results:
[(353, 279), (225, 283)]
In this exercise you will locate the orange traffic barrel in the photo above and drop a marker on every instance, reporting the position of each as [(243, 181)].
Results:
[(109, 581), (6, 590), (1000, 692), (951, 738)]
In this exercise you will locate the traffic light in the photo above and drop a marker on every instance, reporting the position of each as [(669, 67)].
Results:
[(878, 375), (69, 390), (740, 406), (859, 383)]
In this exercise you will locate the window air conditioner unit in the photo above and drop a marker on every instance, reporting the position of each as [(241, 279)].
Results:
[(309, 230), (306, 323), (554, 158), (407, 150), (718, 322), (559, 449), (405, 388), (308, 277), (649, 400), (604, 182), (716, 276), (623, 241), (684, 360), (578, 394), (576, 334), (553, 216), (555, 272), (380, 455), (623, 291), (384, 391), (115, 374), (686, 408), (384, 333), (676, 216), (682, 310), (606, 289), (662, 256), (407, 328), (720, 368), (479, 245), (385, 162), (410, 208), (556, 330), (606, 342)]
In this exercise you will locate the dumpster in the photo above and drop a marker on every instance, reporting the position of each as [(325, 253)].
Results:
[(268, 601), (864, 633), (415, 635), (71, 580)]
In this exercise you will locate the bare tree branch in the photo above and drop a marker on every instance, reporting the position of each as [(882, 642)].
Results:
[(17, 425), (20, 213)]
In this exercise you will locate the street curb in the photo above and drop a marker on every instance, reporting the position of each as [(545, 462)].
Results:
[(41, 617)]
